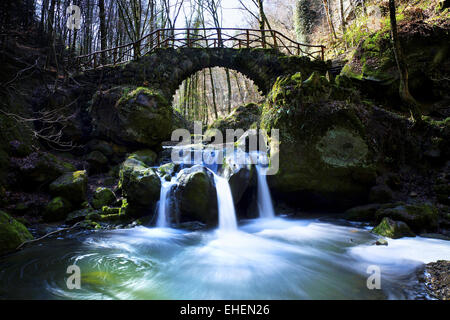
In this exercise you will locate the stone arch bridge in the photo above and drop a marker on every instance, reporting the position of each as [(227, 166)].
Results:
[(261, 56)]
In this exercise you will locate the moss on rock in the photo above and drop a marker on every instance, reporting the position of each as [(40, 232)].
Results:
[(72, 186), (393, 229), (102, 197), (12, 233), (57, 210), (140, 185)]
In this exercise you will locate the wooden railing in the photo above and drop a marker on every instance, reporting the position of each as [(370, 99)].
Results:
[(198, 38)]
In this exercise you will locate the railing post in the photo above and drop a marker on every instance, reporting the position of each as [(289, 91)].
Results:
[(274, 40), (323, 52), (298, 49), (248, 38), (158, 39), (188, 39), (219, 36), (263, 36), (95, 61)]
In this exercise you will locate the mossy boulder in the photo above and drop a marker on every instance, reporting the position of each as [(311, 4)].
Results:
[(324, 155), (100, 145), (197, 196), (362, 213), (168, 170), (103, 197), (146, 156), (393, 229), (420, 217), (71, 186), (243, 117), (140, 185), (57, 209), (12, 233), (41, 168), (97, 160), (132, 116), (240, 176), (79, 215)]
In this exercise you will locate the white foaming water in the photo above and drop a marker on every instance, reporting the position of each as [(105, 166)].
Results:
[(265, 206), (227, 214), (164, 203)]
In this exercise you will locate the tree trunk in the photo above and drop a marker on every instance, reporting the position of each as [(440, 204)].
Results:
[(102, 14), (402, 67), (330, 22)]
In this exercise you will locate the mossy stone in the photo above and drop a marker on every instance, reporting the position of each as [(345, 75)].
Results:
[(72, 186), (393, 229), (102, 197), (57, 210), (12, 233)]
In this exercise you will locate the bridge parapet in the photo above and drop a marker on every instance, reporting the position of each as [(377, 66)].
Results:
[(210, 38), (165, 69)]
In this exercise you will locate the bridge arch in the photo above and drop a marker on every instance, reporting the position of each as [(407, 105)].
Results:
[(166, 68)]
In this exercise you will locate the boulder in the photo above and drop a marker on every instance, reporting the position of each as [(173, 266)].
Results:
[(102, 146), (71, 186), (243, 117), (97, 160), (362, 213), (146, 156), (79, 215), (41, 168), (12, 233), (197, 196), (240, 177), (380, 194), (57, 210), (420, 217), (140, 185), (103, 197), (393, 229), (323, 154), (132, 116)]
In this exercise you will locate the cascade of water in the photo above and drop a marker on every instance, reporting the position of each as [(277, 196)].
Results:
[(265, 206), (164, 203), (227, 214)]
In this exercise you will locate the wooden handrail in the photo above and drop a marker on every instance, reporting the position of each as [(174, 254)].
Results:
[(190, 37)]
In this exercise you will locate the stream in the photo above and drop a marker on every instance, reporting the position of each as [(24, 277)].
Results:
[(272, 257)]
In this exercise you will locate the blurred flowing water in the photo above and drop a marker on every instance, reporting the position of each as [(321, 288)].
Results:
[(265, 259)]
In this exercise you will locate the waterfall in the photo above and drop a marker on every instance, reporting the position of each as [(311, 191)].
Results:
[(265, 206), (227, 214), (164, 203)]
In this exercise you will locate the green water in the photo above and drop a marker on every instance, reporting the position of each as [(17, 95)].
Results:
[(265, 259)]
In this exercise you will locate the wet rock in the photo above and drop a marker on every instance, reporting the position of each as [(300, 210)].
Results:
[(197, 196), (381, 242), (438, 279), (79, 215), (393, 229), (140, 185), (146, 156), (57, 210), (420, 217), (71, 186), (12, 233), (324, 155), (362, 213), (103, 197)]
